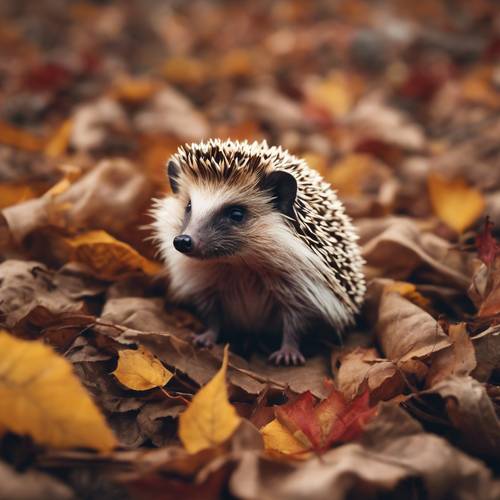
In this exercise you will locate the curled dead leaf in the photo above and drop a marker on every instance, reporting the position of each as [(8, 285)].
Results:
[(108, 257), (109, 197), (407, 332), (472, 412)]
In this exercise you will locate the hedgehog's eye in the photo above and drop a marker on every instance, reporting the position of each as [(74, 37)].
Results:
[(188, 207), (236, 214)]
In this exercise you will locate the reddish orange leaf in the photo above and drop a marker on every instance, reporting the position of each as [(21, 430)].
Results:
[(318, 426)]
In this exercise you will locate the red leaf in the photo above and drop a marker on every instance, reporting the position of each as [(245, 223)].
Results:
[(487, 246), (331, 421), (298, 415), (351, 422)]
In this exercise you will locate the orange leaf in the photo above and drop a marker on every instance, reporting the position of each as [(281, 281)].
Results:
[(58, 144), (319, 426), (19, 138)]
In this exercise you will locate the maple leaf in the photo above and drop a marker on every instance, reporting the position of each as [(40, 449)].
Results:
[(140, 370), (318, 426), (42, 397), (487, 247), (210, 418)]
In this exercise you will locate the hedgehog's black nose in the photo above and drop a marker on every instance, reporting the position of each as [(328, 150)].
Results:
[(183, 243)]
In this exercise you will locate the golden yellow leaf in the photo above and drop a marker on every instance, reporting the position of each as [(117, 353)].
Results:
[(42, 397), (210, 419), (140, 370), (346, 174), (58, 144), (409, 291), (108, 257), (336, 94), (278, 438), (454, 202)]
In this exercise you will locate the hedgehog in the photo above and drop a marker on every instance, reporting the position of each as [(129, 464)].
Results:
[(259, 244)]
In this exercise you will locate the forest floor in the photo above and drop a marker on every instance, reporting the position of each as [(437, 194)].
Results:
[(103, 395)]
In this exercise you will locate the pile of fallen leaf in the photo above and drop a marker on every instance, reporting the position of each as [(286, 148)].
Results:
[(102, 394)]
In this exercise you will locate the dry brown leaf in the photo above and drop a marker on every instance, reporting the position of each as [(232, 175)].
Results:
[(454, 202), (406, 332), (110, 196), (472, 412), (487, 346), (459, 359), (29, 295), (41, 396), (363, 365), (397, 248), (98, 123), (171, 112), (272, 107), (372, 119)]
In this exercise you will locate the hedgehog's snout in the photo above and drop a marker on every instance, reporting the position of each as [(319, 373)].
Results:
[(183, 243)]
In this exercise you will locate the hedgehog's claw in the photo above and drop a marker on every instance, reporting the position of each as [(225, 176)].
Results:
[(287, 356), (206, 339)]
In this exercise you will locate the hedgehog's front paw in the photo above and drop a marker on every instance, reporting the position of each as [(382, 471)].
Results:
[(287, 356), (206, 339)]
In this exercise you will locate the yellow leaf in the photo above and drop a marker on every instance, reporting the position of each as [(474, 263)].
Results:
[(210, 419), (108, 257), (346, 174), (336, 94), (140, 370), (454, 202), (42, 397), (278, 438), (409, 291), (58, 144)]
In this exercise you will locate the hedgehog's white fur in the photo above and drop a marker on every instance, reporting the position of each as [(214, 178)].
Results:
[(309, 268)]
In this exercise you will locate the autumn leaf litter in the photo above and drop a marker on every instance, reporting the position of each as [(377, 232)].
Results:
[(102, 393)]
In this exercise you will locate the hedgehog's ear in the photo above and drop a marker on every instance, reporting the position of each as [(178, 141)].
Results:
[(284, 187), (173, 175)]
